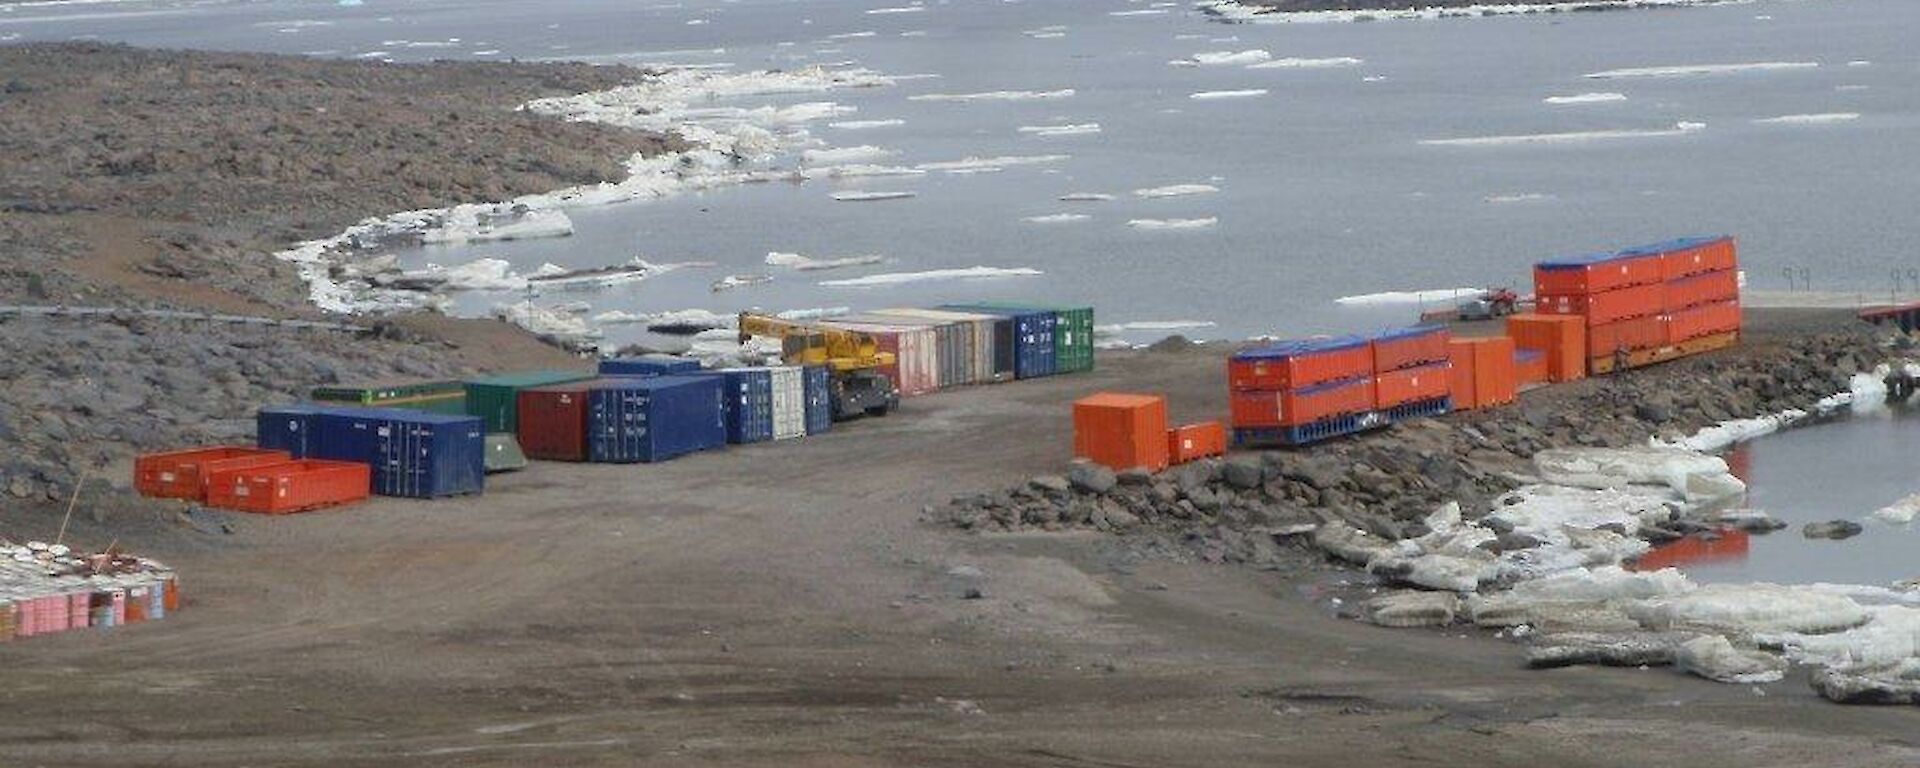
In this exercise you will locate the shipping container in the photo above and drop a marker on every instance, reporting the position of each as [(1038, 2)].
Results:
[(1072, 333), (1709, 288), (952, 344), (747, 394), (553, 421), (1609, 306), (429, 396), (993, 340), (1701, 321), (1693, 255), (1530, 367), (1191, 442), (1595, 273), (1035, 351), (1563, 338), (496, 399), (1411, 385), (1694, 346), (184, 474), (289, 428), (789, 402), (916, 358), (1295, 407), (1295, 364), (657, 418), (818, 381), (1121, 431), (1626, 336), (1408, 347), (1483, 373), (413, 454), (290, 486), (648, 365)]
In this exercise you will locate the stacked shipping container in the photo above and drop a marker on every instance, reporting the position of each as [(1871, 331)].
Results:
[(1279, 391), (1646, 304)]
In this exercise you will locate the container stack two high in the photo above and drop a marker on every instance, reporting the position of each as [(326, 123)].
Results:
[(1648, 304), (1302, 392)]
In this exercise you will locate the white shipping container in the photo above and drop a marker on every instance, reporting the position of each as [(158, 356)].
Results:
[(789, 402)]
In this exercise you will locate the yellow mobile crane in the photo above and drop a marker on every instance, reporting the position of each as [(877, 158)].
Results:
[(853, 362)]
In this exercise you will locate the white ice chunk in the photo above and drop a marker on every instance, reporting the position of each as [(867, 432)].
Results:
[(1586, 98), (1695, 476), (1173, 224), (1826, 118), (1068, 129), (1751, 608), (1701, 69), (839, 155), (805, 263), (1298, 63), (1224, 58), (1900, 512), (1714, 658), (1243, 93), (1056, 218), (994, 96), (859, 197), (1572, 137), (965, 273), (1176, 190)]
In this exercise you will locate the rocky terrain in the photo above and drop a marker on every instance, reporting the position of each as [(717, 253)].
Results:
[(167, 179), (1246, 508)]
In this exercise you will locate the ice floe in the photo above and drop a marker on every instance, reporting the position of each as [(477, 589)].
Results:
[(1695, 70), (544, 321), (1084, 197), (1586, 98), (978, 164), (1826, 118), (1223, 58), (862, 197), (1437, 295), (1519, 197), (895, 10), (684, 322), (1068, 129), (808, 264), (731, 282), (1237, 12), (1302, 63), (1866, 392), (1056, 218), (993, 96), (964, 273), (1244, 93), (861, 125), (840, 155), (1173, 224), (1900, 512), (1573, 137), (860, 170), (1176, 190)]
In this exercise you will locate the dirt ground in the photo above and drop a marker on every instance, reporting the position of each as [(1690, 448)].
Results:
[(785, 605)]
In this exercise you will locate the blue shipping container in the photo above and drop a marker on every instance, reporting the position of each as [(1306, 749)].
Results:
[(818, 382), (648, 365), (655, 418), (412, 453), (1033, 353), (288, 428), (748, 393)]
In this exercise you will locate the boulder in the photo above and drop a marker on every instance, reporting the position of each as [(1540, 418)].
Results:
[(1409, 608), (1832, 529), (1088, 477), (1714, 658), (1244, 472), (1049, 484)]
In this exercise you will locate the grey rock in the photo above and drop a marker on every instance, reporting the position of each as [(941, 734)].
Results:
[(1135, 477), (1244, 472), (1832, 529), (1049, 484), (1091, 478)]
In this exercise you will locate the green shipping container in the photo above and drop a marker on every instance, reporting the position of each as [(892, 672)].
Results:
[(448, 397), (496, 399), (1072, 334)]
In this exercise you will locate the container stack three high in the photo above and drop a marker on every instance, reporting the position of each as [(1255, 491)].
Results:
[(1648, 304)]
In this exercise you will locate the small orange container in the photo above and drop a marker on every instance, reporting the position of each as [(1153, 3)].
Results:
[(1689, 324), (1412, 385), (1606, 306), (1709, 288), (1483, 373), (1627, 336), (293, 486), (1121, 431), (1699, 256), (1562, 337), (1196, 441), (1298, 407), (184, 474)]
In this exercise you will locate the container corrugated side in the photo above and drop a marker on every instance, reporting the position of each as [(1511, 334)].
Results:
[(973, 347), (496, 399), (952, 344), (413, 454), (1033, 337), (656, 418), (288, 428), (553, 422), (748, 395), (648, 365), (916, 358), (789, 402), (818, 381), (1072, 337), (993, 346)]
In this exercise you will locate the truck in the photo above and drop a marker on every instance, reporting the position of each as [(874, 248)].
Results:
[(854, 362)]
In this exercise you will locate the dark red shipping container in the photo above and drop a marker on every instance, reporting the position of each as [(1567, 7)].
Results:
[(1709, 288), (553, 422), (1606, 306), (1412, 385)]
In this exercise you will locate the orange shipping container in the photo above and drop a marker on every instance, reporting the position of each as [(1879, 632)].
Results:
[(1121, 431), (1412, 385), (1594, 273), (1562, 337), (1196, 441), (1707, 320), (184, 474), (1695, 256), (1702, 289), (1296, 364), (1297, 407), (1626, 336), (1607, 306), (1530, 366), (293, 486), (1483, 373)]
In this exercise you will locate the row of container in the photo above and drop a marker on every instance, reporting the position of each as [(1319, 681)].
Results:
[(1636, 306), (960, 344), (246, 479), (33, 602), (634, 415), (1291, 392), (1129, 431)]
